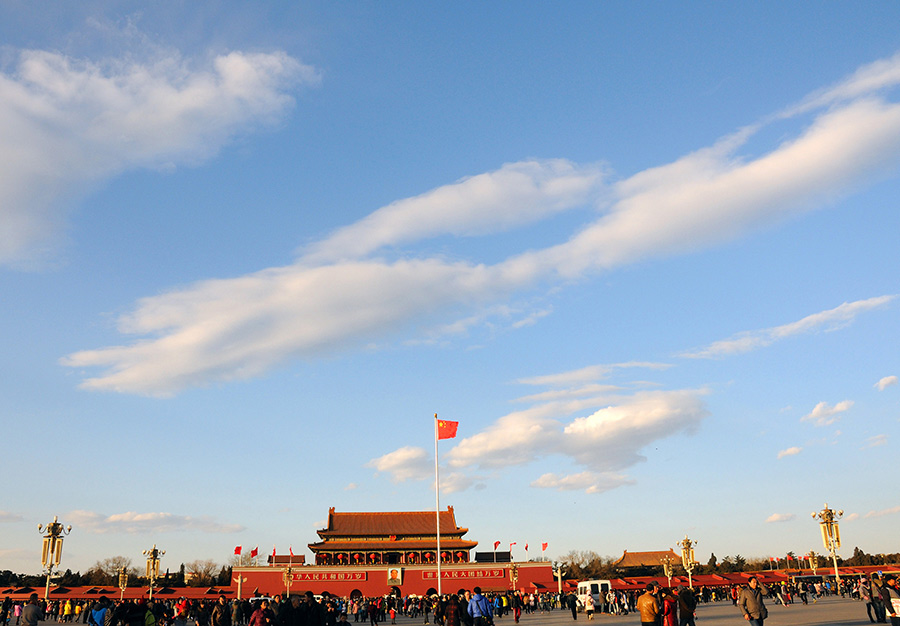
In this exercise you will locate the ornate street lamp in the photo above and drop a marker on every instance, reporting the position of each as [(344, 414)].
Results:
[(687, 558), (813, 561), (559, 574), (123, 582), (51, 550), (514, 576), (153, 556), (831, 535), (668, 563), (288, 578)]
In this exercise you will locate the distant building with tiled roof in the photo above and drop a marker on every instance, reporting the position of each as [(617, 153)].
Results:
[(407, 537), (631, 560)]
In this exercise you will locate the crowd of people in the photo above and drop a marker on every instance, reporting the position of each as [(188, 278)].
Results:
[(657, 606), (295, 610)]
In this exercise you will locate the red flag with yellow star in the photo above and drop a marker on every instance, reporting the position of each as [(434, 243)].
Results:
[(446, 429)]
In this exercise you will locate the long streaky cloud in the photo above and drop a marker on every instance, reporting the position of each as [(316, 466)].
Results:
[(514, 195), (832, 319), (332, 297), (876, 76), (891, 511), (140, 523)]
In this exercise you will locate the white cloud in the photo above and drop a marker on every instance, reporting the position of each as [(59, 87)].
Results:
[(565, 394), (831, 319), (589, 482), (241, 327), (6, 516), (793, 450), (351, 487), (712, 196), (877, 440), (67, 124), (17, 554), (608, 439), (456, 481), (886, 382), (873, 77), (407, 463), (891, 511), (587, 374), (412, 463), (511, 440), (532, 318), (780, 517), (823, 415), (514, 195), (611, 438), (142, 523)]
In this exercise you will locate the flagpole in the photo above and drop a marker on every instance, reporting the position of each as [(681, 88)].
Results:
[(437, 504)]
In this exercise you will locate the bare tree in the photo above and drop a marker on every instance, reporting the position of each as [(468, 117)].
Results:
[(106, 572), (202, 573), (578, 563)]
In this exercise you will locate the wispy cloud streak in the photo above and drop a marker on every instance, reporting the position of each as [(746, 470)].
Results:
[(829, 320), (140, 523), (241, 327)]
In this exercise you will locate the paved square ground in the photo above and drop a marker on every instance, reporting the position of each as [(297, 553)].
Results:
[(826, 612)]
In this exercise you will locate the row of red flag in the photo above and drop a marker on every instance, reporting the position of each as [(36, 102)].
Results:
[(255, 551), (497, 545)]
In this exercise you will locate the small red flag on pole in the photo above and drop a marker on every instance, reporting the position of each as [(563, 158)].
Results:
[(496, 545), (254, 552), (543, 546), (237, 550), (447, 429)]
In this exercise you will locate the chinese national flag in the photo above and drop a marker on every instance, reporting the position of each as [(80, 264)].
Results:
[(273, 554), (291, 550), (496, 545), (446, 430), (237, 550), (254, 552), (544, 546), (526, 547)]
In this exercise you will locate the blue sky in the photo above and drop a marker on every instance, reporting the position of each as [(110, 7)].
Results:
[(644, 254)]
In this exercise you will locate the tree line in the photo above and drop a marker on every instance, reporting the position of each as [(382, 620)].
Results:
[(586, 564), (105, 573)]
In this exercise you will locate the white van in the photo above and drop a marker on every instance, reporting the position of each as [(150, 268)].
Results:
[(598, 590)]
